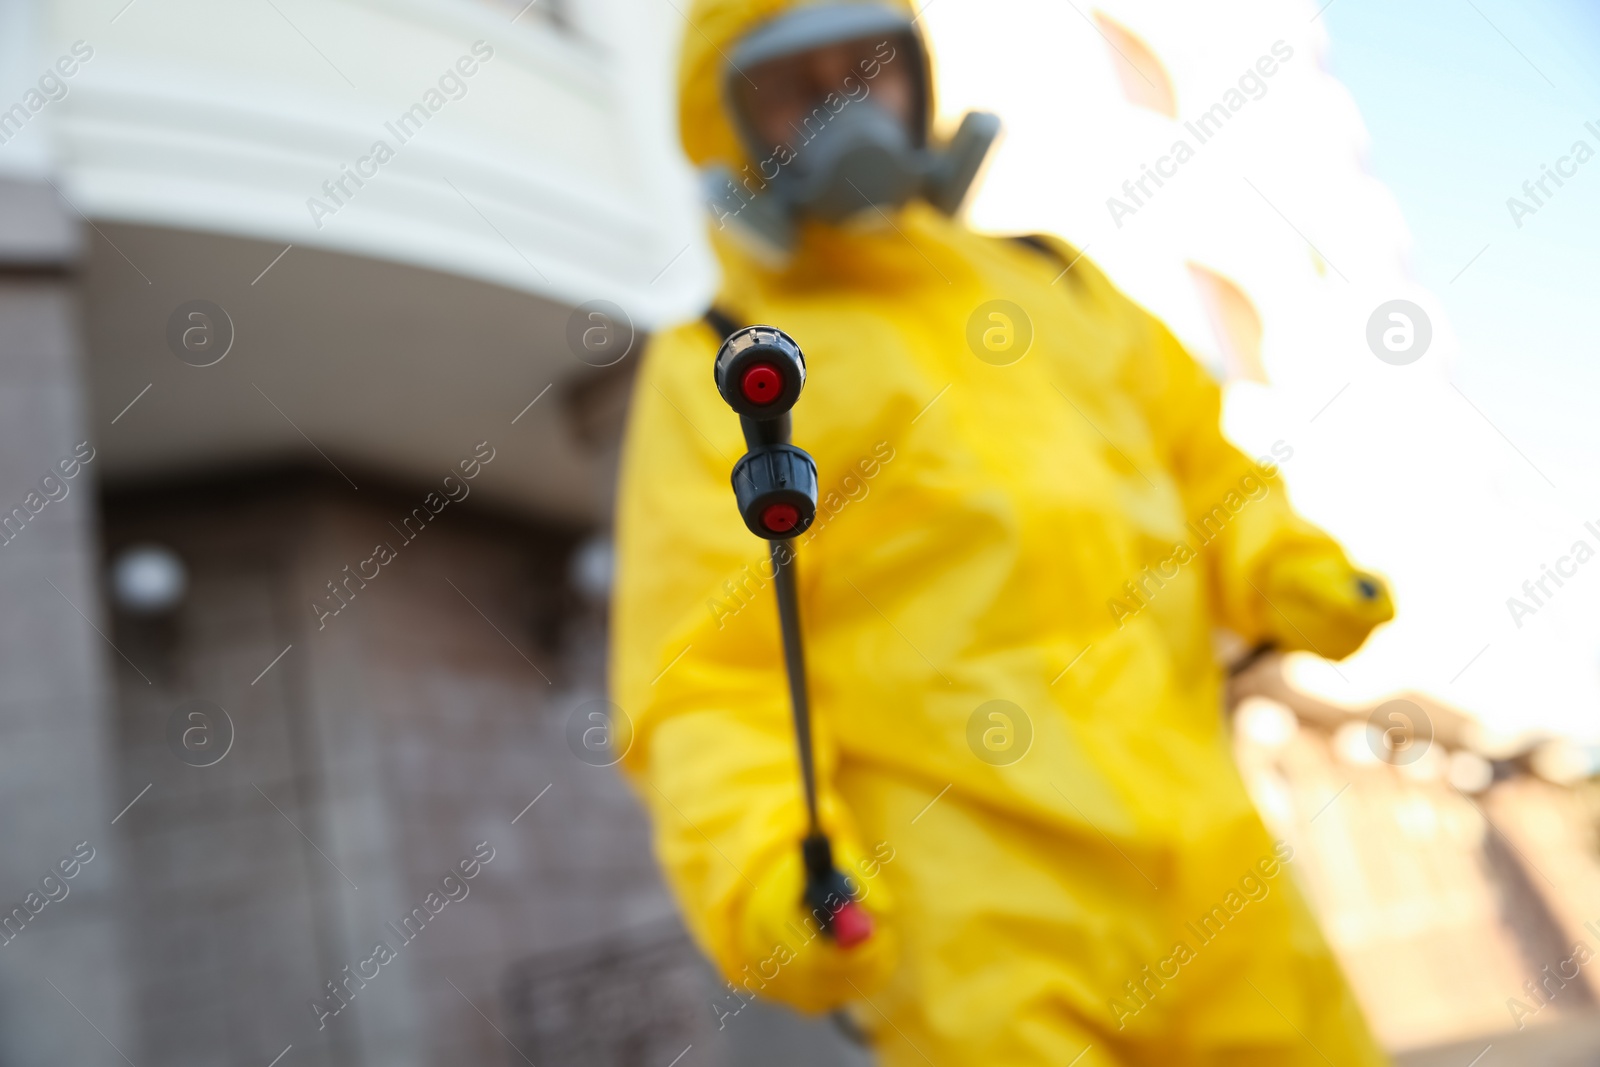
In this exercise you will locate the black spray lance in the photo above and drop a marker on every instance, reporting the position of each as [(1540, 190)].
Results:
[(760, 372)]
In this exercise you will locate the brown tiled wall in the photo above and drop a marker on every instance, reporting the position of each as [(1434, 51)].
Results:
[(421, 720)]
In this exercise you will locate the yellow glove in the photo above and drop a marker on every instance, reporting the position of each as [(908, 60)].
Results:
[(1317, 602), (796, 962)]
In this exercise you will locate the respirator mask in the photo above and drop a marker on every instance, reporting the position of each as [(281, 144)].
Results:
[(831, 103)]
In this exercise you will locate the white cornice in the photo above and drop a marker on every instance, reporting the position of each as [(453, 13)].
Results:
[(537, 179)]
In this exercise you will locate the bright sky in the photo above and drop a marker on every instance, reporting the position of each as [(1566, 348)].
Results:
[(1464, 104), (1376, 166)]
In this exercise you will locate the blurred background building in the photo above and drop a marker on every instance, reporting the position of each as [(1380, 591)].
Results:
[(265, 347)]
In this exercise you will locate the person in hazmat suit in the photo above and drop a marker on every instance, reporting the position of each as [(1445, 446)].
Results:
[(1030, 528)]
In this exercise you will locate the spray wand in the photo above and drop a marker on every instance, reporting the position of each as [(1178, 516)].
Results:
[(760, 372)]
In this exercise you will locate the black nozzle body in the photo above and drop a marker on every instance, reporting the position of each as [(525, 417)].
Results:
[(759, 372), (776, 489)]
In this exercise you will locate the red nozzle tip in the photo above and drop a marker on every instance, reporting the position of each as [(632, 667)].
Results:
[(761, 384), (851, 925), (780, 518)]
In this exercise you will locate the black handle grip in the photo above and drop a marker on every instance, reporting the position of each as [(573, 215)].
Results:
[(828, 895)]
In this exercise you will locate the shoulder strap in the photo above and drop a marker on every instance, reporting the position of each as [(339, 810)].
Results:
[(1055, 249), (722, 324), (1035, 242)]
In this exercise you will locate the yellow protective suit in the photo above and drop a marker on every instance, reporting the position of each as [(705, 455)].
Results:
[(1075, 868)]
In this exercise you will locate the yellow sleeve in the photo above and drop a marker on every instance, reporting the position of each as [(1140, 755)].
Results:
[(1237, 509), (1270, 575), (696, 656)]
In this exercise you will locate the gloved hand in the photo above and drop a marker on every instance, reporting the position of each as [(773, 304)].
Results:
[(1318, 602), (795, 961)]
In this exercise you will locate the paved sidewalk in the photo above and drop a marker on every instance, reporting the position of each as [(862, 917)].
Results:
[(1573, 1043)]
